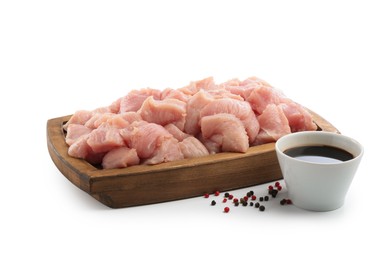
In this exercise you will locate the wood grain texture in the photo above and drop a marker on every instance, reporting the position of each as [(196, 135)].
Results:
[(146, 184)]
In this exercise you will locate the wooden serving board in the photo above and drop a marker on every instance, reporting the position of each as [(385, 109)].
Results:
[(146, 184)]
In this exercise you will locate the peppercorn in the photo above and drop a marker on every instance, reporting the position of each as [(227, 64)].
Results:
[(245, 204), (257, 205), (288, 201), (236, 203), (213, 203), (266, 198), (230, 196), (226, 209), (216, 193), (274, 193), (261, 198), (227, 194), (206, 195), (261, 208), (251, 204), (283, 201), (253, 197)]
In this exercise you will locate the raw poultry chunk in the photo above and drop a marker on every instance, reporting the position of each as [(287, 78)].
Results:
[(225, 130)]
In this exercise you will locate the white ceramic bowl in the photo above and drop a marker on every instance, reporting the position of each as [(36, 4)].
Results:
[(318, 186)]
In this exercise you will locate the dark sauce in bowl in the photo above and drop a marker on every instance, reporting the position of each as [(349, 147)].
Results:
[(319, 154)]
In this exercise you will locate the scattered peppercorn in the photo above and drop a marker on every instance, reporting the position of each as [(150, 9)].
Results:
[(213, 203), (226, 209), (230, 196), (261, 208), (288, 201), (266, 198), (206, 195), (235, 200), (251, 204), (224, 200), (245, 204), (216, 193), (261, 198), (253, 197), (274, 193), (279, 188), (236, 203), (246, 198), (277, 184), (227, 195), (283, 201), (257, 205)]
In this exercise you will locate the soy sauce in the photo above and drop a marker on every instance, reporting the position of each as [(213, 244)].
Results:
[(319, 154)]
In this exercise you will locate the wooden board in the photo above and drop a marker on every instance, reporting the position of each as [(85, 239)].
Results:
[(145, 184)]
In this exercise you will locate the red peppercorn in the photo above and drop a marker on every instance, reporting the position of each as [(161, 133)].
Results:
[(246, 198), (277, 184), (235, 200), (288, 201), (270, 187), (253, 197), (224, 200), (279, 187), (226, 209), (206, 195), (216, 193), (230, 196)]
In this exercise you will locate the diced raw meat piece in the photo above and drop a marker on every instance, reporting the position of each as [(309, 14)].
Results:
[(102, 110), (211, 146), (255, 80), (79, 117), (131, 117), (74, 132), (263, 138), (81, 149), (105, 138), (195, 86), (194, 106), (167, 151), (144, 137), (120, 157), (226, 130), (244, 88), (192, 147), (223, 93), (262, 96), (174, 94), (97, 119), (134, 100), (115, 120), (176, 132), (273, 123), (115, 106), (241, 109), (298, 117), (164, 112)]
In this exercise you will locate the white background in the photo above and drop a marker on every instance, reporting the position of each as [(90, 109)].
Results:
[(60, 56)]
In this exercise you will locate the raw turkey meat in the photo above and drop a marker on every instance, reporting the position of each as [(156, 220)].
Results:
[(225, 130), (151, 126), (120, 157)]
